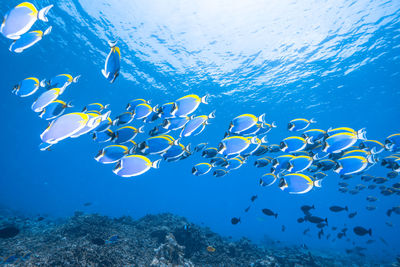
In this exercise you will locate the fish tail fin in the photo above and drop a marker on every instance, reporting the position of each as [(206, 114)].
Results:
[(70, 105), (156, 164), (205, 98), (261, 118), (318, 183), (105, 106), (211, 115), (47, 31), (176, 141), (362, 134), (105, 115), (166, 123), (309, 141), (112, 43), (42, 83), (43, 12), (99, 155), (290, 167), (76, 79), (313, 120), (326, 220), (389, 146), (264, 140), (273, 124), (155, 109), (132, 150), (141, 129), (254, 140), (370, 231), (188, 147)]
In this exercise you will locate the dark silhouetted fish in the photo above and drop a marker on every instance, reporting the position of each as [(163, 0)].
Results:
[(235, 220), (352, 215), (315, 219), (300, 220), (358, 230), (283, 228), (338, 208), (253, 198), (87, 204), (269, 212), (306, 209)]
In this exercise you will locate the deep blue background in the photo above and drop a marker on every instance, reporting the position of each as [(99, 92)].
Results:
[(355, 84)]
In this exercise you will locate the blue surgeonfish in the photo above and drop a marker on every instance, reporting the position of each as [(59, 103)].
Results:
[(168, 110), (234, 145), (196, 125), (142, 111), (157, 144), (123, 118), (64, 127), (317, 152), (299, 164), (220, 172), (201, 169), (297, 183), (357, 152), (361, 134), (262, 162), (112, 65), (103, 137), (299, 124), (235, 163), (314, 134), (265, 128), (374, 146), (112, 153), (133, 103), (176, 123), (188, 104), (21, 18), (261, 150), (200, 147), (94, 121), (54, 109), (244, 122), (257, 129), (274, 148), (268, 179), (45, 99), (253, 146), (158, 130), (27, 40), (351, 164), (339, 142), (175, 152), (325, 164), (134, 165), (209, 152), (293, 144), (61, 81), (219, 161), (95, 107), (26, 87), (126, 133), (392, 142)]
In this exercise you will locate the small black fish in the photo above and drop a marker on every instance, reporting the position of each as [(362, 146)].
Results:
[(358, 230), (338, 208), (306, 209), (87, 204), (392, 174), (353, 214), (315, 219), (300, 220), (283, 228), (247, 209), (334, 228), (340, 235), (253, 198), (320, 234), (235, 220), (39, 219), (269, 212)]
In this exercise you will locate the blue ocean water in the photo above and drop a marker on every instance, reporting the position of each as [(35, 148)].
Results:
[(335, 61)]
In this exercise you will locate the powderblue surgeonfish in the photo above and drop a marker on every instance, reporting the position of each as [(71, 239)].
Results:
[(104, 125), (112, 65), (293, 144), (45, 99), (209, 152), (351, 164), (134, 165), (95, 107), (200, 147), (219, 161), (64, 127), (103, 136), (325, 164), (176, 123), (133, 103), (142, 111), (339, 142), (54, 109), (299, 164), (374, 146), (157, 144), (26, 87), (314, 134), (175, 152), (234, 145), (168, 110), (299, 124), (268, 179), (60, 81), (235, 163), (254, 145), (361, 134), (94, 121), (188, 104), (123, 118), (111, 154), (27, 40), (297, 183), (201, 168), (262, 162), (196, 125), (317, 152), (392, 142), (220, 172), (21, 18), (126, 133), (245, 122), (158, 130), (281, 163)]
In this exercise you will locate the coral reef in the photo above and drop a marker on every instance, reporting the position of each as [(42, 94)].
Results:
[(154, 240)]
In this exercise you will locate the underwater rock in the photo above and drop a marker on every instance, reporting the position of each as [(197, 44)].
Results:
[(170, 253), (9, 232)]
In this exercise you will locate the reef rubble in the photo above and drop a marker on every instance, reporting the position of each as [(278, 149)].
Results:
[(154, 240)]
